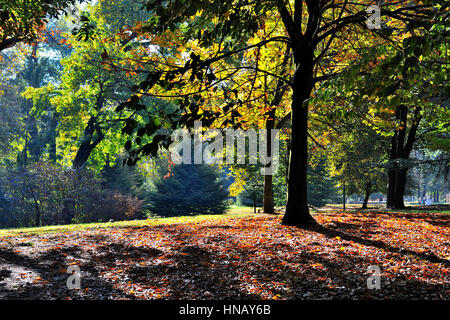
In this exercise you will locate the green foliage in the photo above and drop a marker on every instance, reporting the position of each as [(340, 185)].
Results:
[(253, 189), (120, 14), (123, 179), (20, 20), (45, 194), (238, 19), (321, 186), (187, 189)]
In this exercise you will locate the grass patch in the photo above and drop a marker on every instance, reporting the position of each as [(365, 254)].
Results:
[(234, 212)]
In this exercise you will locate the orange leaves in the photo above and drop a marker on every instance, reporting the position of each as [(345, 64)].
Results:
[(255, 256)]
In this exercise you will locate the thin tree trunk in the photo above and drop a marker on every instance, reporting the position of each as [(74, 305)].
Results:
[(268, 178), (343, 196), (37, 219), (268, 194), (418, 195), (270, 124), (37, 222), (401, 147), (367, 195)]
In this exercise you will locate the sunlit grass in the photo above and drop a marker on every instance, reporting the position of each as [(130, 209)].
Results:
[(234, 212)]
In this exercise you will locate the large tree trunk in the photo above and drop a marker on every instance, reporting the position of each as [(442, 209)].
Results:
[(85, 151), (390, 188), (396, 188), (297, 211)]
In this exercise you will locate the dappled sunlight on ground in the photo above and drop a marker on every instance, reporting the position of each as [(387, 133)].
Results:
[(252, 257)]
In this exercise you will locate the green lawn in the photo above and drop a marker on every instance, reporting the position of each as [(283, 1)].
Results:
[(235, 211)]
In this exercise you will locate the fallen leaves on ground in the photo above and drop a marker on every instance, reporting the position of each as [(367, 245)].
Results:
[(251, 257)]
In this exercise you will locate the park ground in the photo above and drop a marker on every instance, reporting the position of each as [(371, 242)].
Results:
[(235, 256)]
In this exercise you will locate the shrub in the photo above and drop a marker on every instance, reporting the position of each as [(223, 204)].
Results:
[(45, 194), (114, 205), (187, 190)]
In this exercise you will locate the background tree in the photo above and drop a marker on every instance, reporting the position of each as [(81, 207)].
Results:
[(215, 33), (22, 20), (399, 90), (187, 189)]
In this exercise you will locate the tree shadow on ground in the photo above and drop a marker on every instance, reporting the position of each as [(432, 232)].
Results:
[(333, 232), (190, 274), (191, 271), (436, 219), (50, 267), (194, 273), (337, 280)]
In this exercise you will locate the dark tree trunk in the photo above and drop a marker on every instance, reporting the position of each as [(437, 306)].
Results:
[(34, 148), (400, 185), (288, 152), (268, 179), (92, 137), (84, 152), (268, 194), (68, 211), (391, 188), (52, 150), (297, 211), (343, 196), (270, 124), (401, 146), (25, 151), (367, 195), (37, 218), (37, 222)]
